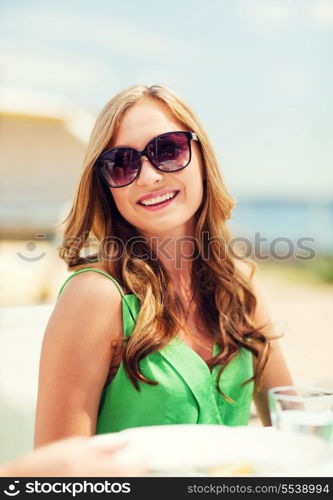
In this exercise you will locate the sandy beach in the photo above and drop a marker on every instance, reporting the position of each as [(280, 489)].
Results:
[(304, 314)]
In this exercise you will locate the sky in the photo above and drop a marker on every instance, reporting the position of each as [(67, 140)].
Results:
[(258, 74)]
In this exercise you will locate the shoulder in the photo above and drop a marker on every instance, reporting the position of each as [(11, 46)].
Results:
[(91, 285), (102, 268), (90, 302)]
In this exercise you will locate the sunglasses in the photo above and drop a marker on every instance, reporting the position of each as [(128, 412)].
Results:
[(169, 152)]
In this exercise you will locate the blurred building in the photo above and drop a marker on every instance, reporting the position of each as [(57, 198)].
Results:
[(42, 142)]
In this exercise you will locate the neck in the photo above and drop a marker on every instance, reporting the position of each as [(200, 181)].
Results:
[(176, 251)]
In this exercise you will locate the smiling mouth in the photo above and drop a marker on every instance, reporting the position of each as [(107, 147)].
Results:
[(174, 194)]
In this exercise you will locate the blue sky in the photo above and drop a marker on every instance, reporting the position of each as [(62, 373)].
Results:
[(258, 73)]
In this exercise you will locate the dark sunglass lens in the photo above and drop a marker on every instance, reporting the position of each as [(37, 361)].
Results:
[(170, 151), (119, 166)]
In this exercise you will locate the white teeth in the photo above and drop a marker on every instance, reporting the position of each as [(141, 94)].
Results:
[(159, 199)]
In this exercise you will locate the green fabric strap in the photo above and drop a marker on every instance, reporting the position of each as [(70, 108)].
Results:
[(96, 271)]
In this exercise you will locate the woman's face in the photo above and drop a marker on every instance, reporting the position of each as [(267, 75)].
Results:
[(142, 122)]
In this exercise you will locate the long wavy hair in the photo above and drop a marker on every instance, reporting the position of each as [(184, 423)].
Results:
[(223, 293)]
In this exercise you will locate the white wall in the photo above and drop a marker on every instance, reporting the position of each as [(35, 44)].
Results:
[(22, 330)]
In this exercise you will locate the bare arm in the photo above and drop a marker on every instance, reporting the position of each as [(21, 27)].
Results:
[(76, 356), (276, 372), (76, 457)]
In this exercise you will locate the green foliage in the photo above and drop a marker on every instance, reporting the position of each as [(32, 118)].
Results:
[(315, 271)]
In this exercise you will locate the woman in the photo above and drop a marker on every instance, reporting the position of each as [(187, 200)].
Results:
[(162, 324)]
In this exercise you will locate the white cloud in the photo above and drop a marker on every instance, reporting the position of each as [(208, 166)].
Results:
[(55, 49), (24, 67), (267, 14), (322, 11), (57, 26)]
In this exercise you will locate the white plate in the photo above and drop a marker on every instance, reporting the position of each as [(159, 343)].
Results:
[(199, 449)]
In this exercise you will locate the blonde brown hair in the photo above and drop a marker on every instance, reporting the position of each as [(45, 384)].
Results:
[(224, 296)]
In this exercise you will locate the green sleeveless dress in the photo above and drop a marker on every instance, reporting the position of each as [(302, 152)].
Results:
[(186, 392)]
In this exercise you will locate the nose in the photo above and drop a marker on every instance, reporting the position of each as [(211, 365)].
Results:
[(149, 174)]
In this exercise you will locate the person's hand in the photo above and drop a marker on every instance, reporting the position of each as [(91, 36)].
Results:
[(75, 457)]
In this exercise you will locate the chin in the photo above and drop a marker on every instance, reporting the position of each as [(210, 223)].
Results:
[(168, 226)]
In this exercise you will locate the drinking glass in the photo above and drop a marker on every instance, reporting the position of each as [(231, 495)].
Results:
[(302, 409)]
